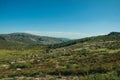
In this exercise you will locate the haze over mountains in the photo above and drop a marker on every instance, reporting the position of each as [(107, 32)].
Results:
[(21, 40), (26, 38)]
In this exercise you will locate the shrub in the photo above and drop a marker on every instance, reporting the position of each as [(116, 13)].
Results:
[(21, 65)]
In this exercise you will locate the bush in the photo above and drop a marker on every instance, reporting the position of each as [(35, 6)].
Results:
[(21, 65)]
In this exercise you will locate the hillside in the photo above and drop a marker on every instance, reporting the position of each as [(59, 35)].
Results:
[(92, 58), (25, 38), (113, 36)]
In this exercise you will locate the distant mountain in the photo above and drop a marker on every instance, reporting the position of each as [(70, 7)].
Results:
[(114, 34), (18, 40), (25, 38)]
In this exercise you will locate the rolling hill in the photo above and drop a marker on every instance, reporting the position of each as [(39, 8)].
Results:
[(113, 36), (91, 58), (25, 38)]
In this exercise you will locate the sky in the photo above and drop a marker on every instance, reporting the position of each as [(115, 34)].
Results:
[(60, 18)]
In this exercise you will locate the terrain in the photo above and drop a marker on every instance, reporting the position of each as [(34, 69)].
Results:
[(26, 38), (22, 57)]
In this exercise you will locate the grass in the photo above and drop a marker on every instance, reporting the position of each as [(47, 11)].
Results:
[(71, 63)]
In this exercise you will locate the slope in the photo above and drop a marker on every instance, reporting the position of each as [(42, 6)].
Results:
[(93, 58), (25, 38)]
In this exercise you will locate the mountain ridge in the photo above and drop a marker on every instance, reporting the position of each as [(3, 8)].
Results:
[(27, 38), (10, 41), (112, 36)]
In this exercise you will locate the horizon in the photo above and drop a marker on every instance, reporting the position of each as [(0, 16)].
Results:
[(72, 19), (44, 35)]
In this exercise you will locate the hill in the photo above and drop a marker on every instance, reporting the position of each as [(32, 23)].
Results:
[(91, 58), (113, 36), (25, 38)]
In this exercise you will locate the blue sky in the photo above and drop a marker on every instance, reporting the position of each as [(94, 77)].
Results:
[(60, 18)]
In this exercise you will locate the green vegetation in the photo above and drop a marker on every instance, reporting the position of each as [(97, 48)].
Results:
[(93, 58)]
